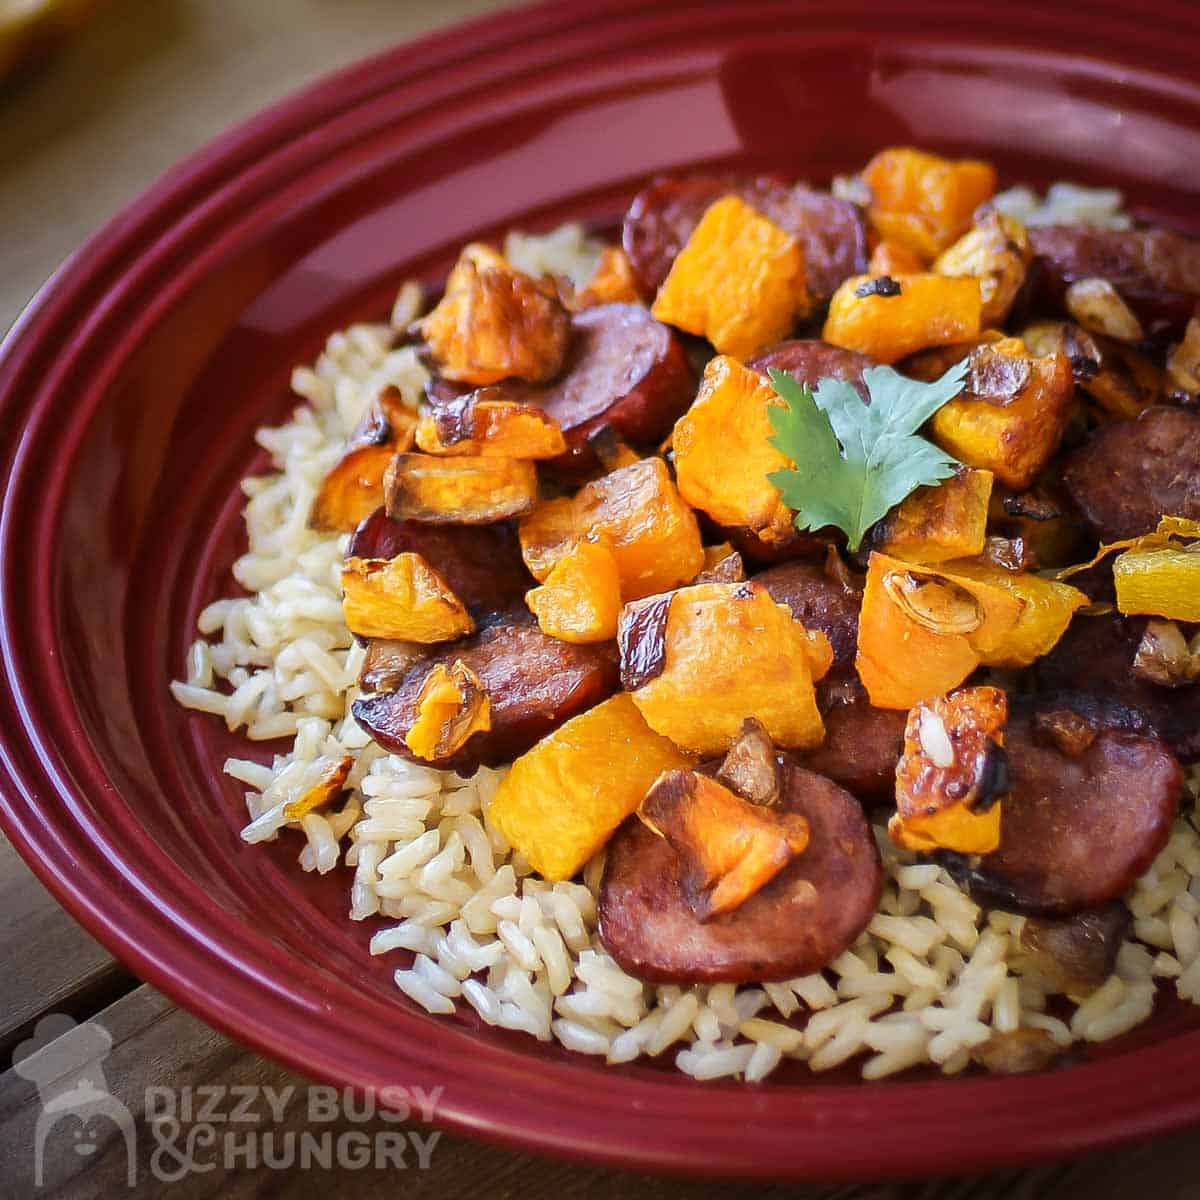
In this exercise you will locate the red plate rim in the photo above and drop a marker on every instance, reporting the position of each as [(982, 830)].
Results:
[(141, 905)]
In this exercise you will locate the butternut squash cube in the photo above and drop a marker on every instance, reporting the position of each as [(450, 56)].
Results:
[(562, 800), (467, 490), (402, 598), (923, 630), (924, 201), (893, 316), (945, 521), (494, 323), (612, 282), (581, 598), (1047, 608), (722, 455), (639, 511), (452, 705), (1159, 581), (1011, 416), (952, 773), (894, 258), (478, 424), (728, 848), (997, 253), (739, 281), (729, 652)]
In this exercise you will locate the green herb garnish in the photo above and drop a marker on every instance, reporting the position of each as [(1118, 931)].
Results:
[(855, 461)]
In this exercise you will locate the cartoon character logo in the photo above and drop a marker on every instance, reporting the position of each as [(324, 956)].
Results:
[(65, 1061)]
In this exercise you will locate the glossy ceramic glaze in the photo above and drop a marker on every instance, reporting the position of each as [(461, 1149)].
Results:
[(130, 390)]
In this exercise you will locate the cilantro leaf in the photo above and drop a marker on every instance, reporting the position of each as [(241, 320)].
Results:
[(855, 461)]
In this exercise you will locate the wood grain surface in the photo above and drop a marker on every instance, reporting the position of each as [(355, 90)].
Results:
[(145, 83)]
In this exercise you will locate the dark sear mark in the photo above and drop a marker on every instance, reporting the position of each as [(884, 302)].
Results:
[(881, 285), (642, 640), (996, 378)]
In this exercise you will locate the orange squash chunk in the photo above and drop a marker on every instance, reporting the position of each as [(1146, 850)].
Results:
[(996, 251), (729, 848), (402, 598), (952, 773), (722, 456), (494, 323), (893, 316), (581, 598), (739, 281), (727, 652), (612, 282), (478, 424), (637, 509), (322, 793), (923, 630), (1011, 416), (934, 524), (452, 705), (562, 800), (893, 258), (924, 201), (353, 489), (466, 490)]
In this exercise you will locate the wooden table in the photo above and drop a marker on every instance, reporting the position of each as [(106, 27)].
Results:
[(149, 81)]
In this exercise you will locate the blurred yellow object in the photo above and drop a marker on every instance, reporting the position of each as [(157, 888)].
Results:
[(30, 29)]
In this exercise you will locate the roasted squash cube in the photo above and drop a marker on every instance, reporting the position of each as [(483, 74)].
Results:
[(923, 630), (725, 652), (891, 317), (484, 425), (894, 258), (933, 524), (402, 598), (353, 489), (638, 510), (452, 705), (952, 773), (924, 201), (468, 490), (493, 323), (728, 848), (1159, 581), (581, 598), (722, 454), (739, 281), (997, 253), (1047, 610), (611, 282), (562, 800), (1011, 416)]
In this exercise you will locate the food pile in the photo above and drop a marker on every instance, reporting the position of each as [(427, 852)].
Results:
[(807, 587)]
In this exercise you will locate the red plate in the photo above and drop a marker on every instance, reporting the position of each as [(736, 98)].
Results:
[(132, 386)]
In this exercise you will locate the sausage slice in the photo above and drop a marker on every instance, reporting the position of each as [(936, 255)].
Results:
[(798, 923), (1130, 473), (662, 216), (481, 563), (811, 360), (1157, 271), (1076, 829), (534, 684), (1095, 656)]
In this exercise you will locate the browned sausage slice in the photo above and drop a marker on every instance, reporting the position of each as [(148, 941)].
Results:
[(810, 361), (1130, 473), (1076, 830), (798, 923), (534, 684), (1095, 656), (481, 563), (861, 743), (662, 216), (1157, 271)]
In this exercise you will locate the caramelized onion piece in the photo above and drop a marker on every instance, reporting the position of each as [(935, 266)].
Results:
[(1098, 307), (1164, 657), (1017, 1052), (751, 767), (452, 705), (1183, 363), (1076, 954)]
